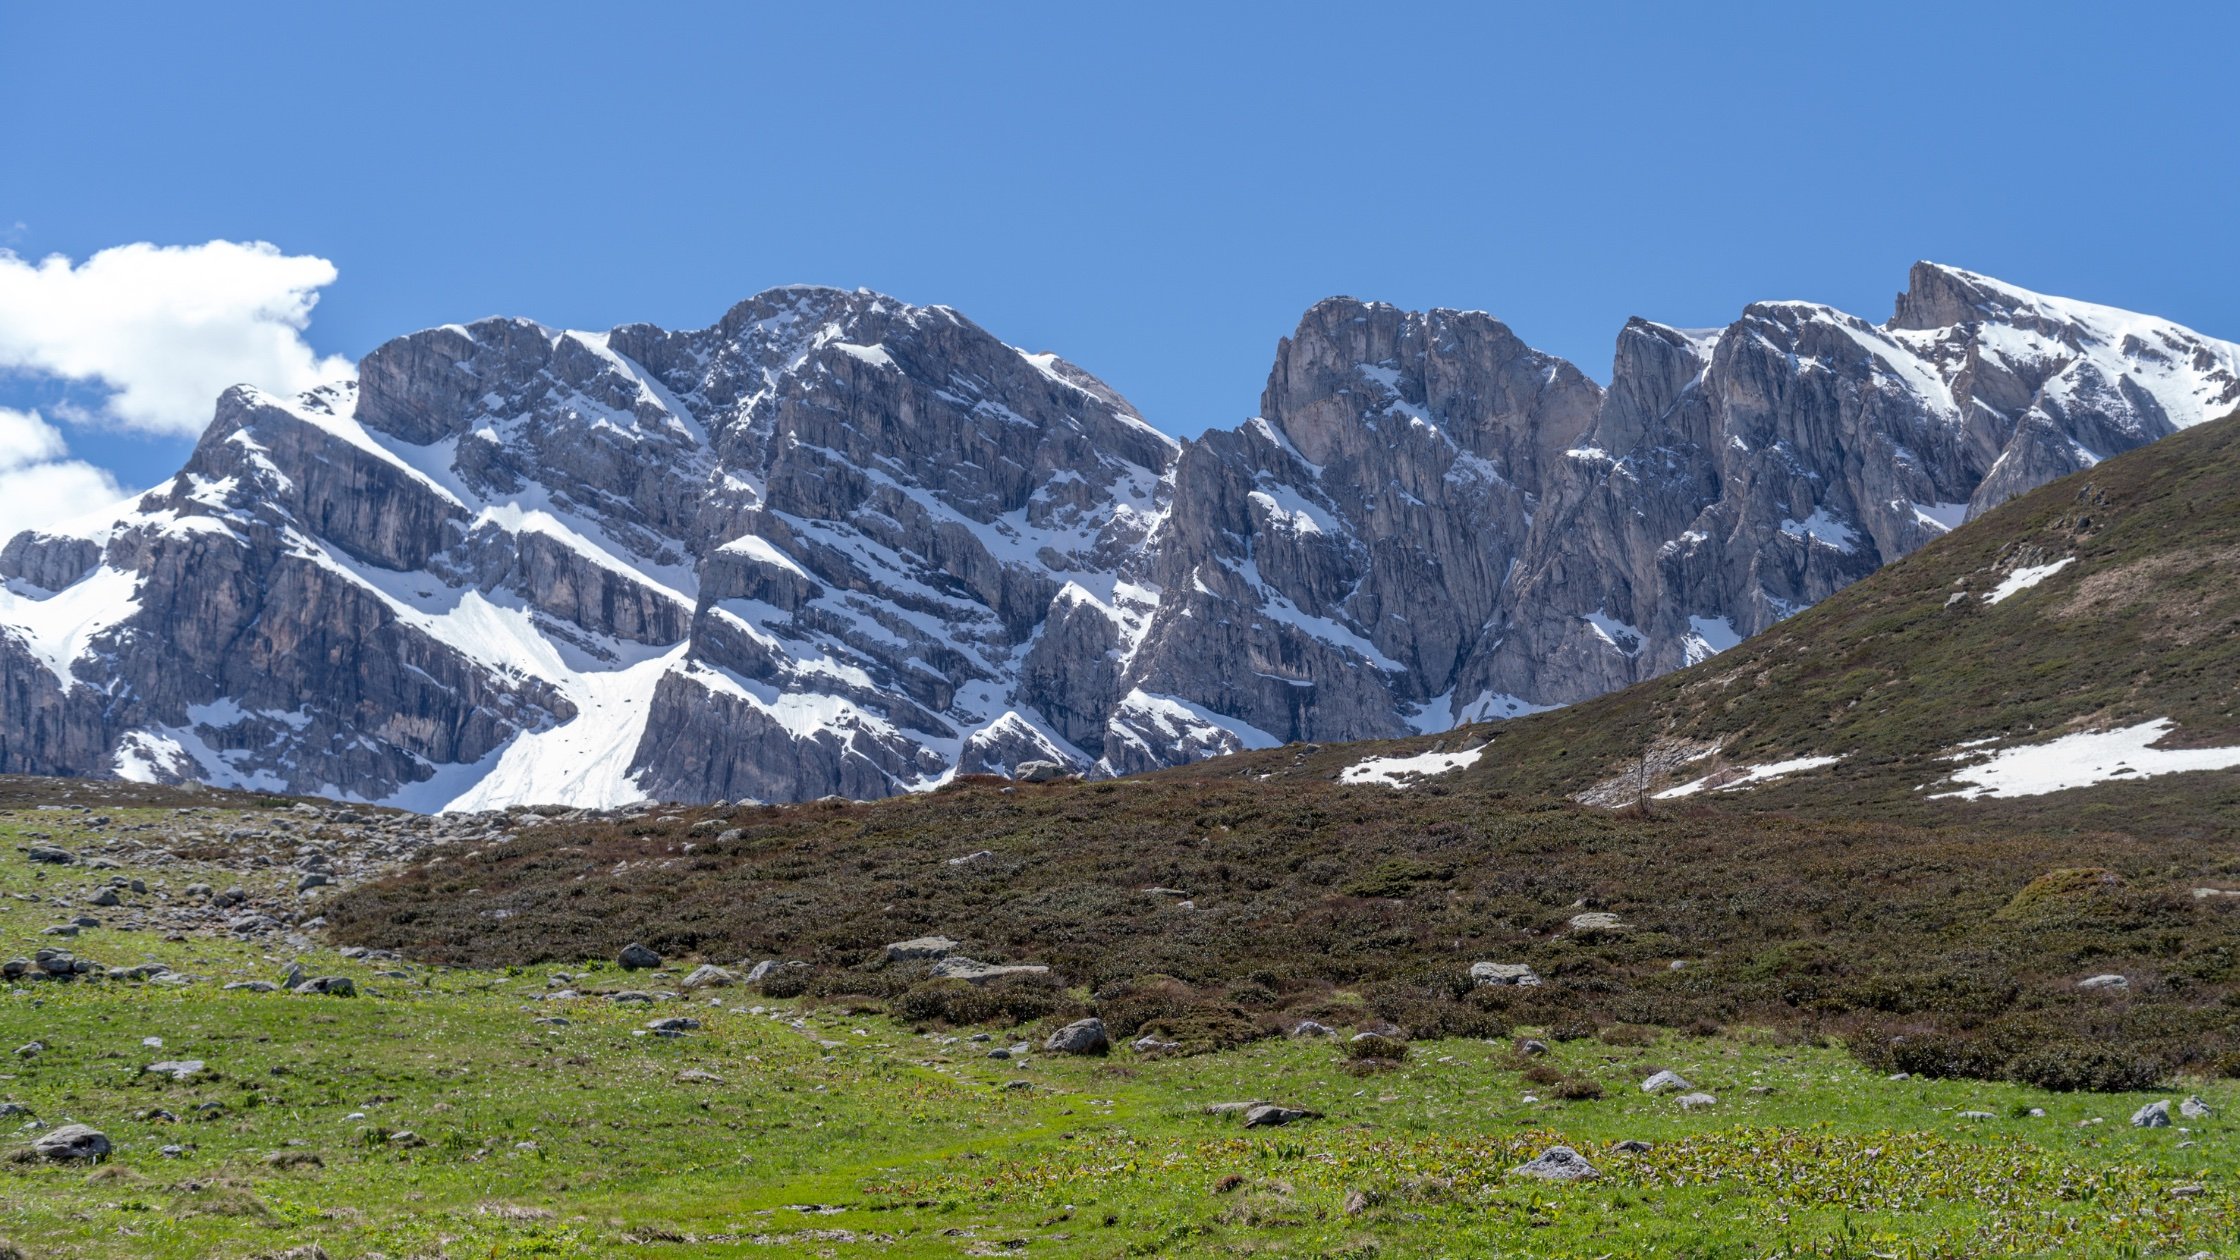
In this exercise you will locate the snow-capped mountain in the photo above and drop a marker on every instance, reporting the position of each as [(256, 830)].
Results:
[(840, 544)]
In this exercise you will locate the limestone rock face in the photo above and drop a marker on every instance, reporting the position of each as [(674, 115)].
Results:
[(839, 544)]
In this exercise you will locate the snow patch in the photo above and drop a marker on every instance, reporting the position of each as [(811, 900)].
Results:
[(2023, 579), (2080, 760), (1749, 777), (1391, 771)]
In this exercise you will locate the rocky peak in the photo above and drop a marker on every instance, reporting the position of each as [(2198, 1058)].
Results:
[(835, 542)]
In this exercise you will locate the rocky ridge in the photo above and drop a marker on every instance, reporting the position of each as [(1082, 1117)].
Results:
[(838, 544)]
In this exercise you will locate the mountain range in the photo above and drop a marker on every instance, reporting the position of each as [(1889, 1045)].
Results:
[(839, 544)]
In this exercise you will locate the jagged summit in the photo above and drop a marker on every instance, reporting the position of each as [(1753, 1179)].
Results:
[(836, 542)]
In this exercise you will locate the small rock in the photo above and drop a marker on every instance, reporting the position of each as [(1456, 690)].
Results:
[(1977, 1115), (1309, 1028), (1082, 1036), (1596, 921), (1038, 772), (1665, 1083), (709, 976), (176, 1069), (1503, 973), (1692, 1102), (1631, 1146), (72, 1141), (2195, 1109), (407, 1138), (1532, 1046), (2105, 982), (959, 967), (674, 1024), (1269, 1115), (2155, 1115), (920, 947), (1557, 1163), (636, 957)]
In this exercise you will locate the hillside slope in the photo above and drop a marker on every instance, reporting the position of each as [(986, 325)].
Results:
[(2087, 633)]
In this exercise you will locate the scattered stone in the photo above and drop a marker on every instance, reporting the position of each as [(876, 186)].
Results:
[(50, 856), (72, 1141), (407, 1138), (673, 1025), (1082, 1036), (1692, 1102), (106, 897), (709, 976), (176, 1069), (2155, 1115), (2105, 982), (1503, 973), (1269, 1115), (1557, 1163), (636, 957), (2185, 1192), (959, 967), (2195, 1109), (1761, 1091), (1532, 1046), (295, 1159), (695, 1076), (1631, 1146), (1309, 1028), (918, 948), (1148, 1044), (1665, 1083), (1977, 1115), (1598, 921), (255, 986), (331, 986), (1038, 772), (970, 858)]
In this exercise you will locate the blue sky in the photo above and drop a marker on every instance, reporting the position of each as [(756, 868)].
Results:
[(1153, 191)]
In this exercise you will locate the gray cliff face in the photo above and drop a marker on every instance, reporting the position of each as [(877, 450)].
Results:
[(840, 544)]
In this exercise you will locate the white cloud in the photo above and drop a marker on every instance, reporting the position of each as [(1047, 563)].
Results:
[(166, 329), (39, 484)]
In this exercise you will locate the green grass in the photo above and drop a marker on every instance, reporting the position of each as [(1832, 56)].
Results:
[(852, 1127)]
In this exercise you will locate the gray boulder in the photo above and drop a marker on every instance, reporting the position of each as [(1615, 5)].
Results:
[(1503, 973), (636, 957), (176, 1069), (920, 947), (708, 976), (2195, 1109), (1665, 1082), (1557, 1163), (1269, 1115), (959, 967), (2155, 1115), (72, 1142), (1082, 1036)]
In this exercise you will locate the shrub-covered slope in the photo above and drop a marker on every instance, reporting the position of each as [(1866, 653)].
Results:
[(1216, 903)]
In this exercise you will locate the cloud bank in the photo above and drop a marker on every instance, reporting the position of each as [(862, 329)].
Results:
[(164, 328), (39, 484)]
